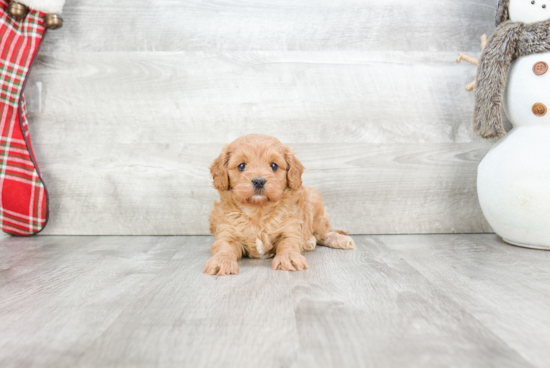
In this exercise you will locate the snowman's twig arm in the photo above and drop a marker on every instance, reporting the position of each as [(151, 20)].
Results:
[(472, 60), (484, 40), (468, 58)]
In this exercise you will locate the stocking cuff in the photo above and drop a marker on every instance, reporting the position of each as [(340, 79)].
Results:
[(44, 6)]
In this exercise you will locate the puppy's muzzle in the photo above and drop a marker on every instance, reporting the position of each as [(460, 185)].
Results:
[(258, 183)]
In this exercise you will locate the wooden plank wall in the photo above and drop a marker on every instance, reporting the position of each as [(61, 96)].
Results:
[(132, 100)]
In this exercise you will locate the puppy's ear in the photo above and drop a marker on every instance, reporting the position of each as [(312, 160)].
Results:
[(219, 170), (294, 170)]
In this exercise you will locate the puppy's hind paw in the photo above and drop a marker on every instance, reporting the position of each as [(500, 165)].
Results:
[(289, 261), (346, 242), (221, 265), (337, 241)]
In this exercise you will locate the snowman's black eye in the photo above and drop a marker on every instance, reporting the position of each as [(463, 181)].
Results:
[(544, 6), (274, 166), (241, 167), (533, 2)]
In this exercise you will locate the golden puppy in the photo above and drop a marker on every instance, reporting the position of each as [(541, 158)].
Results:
[(264, 209)]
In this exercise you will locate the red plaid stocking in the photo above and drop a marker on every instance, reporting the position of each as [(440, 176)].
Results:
[(23, 200)]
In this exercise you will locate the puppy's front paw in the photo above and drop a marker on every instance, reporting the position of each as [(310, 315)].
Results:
[(338, 241), (289, 261), (221, 265), (310, 244)]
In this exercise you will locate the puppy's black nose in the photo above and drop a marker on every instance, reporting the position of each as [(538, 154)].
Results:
[(258, 183)]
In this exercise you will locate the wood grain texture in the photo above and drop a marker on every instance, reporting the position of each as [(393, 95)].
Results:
[(272, 25), (300, 97), (71, 287), (501, 286), (414, 301), (166, 188), (129, 107)]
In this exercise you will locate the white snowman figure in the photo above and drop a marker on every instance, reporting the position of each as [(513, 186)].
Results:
[(513, 74)]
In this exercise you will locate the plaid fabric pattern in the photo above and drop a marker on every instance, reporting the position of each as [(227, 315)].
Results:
[(23, 199)]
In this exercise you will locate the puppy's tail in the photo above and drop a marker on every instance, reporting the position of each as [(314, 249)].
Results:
[(341, 232)]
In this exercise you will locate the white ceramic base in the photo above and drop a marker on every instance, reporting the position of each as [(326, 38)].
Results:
[(517, 244)]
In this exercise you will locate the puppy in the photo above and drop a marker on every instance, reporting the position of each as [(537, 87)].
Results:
[(264, 210)]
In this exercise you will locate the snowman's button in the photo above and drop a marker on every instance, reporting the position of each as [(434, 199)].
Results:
[(539, 109), (540, 68)]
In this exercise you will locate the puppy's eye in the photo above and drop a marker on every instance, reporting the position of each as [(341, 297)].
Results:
[(242, 167), (274, 166)]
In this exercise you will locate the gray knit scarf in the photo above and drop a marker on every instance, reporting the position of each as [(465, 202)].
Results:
[(510, 41)]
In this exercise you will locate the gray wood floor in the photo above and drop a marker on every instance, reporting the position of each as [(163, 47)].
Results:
[(396, 301)]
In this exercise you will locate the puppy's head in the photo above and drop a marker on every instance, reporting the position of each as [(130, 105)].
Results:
[(257, 169)]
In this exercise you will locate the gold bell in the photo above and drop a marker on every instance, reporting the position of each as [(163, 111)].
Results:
[(17, 10), (53, 21)]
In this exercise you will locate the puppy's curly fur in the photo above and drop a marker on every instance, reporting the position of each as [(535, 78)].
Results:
[(280, 219)]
